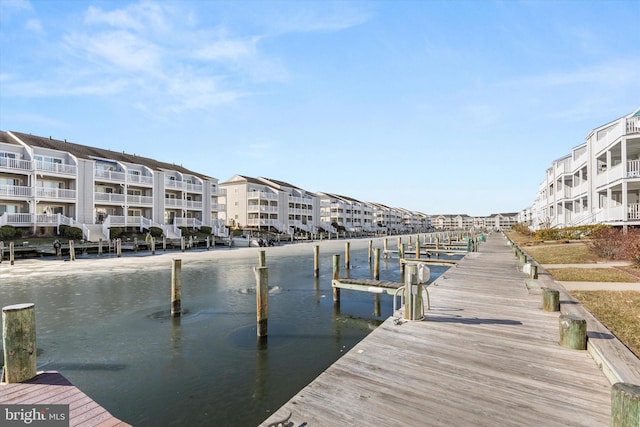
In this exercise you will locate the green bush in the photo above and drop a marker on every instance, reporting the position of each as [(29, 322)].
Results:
[(156, 232), (116, 232), (71, 233), (205, 229), (7, 232)]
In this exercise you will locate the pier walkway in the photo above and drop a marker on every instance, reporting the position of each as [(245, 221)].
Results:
[(486, 355), (48, 388)]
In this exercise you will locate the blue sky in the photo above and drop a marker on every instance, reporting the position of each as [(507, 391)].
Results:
[(434, 106)]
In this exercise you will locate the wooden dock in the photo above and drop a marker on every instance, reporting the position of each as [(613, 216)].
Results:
[(485, 355), (51, 388)]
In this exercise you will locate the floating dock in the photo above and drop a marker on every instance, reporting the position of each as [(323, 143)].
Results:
[(485, 355)]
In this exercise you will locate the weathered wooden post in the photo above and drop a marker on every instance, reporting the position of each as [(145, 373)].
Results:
[(1, 250), (182, 244), (418, 247), (99, 247), (376, 304), (176, 288), (573, 332), (72, 251), (12, 255), (262, 259), (135, 244), (316, 261), (399, 243), (336, 276), (385, 246), (118, 248), (208, 245), (534, 271), (412, 294), (347, 255), (625, 405), (376, 265), (164, 243), (370, 252), (262, 300), (153, 245), (550, 299), (19, 342)]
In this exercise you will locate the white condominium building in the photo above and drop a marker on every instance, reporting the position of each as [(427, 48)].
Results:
[(270, 205), (597, 183), (45, 183)]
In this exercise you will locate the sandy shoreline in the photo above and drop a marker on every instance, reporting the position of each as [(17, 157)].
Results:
[(110, 263)]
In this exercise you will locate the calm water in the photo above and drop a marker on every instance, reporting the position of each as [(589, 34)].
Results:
[(111, 335)]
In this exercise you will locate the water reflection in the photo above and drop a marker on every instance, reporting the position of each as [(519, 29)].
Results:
[(112, 335)]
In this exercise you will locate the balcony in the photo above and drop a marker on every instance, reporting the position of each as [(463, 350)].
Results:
[(633, 125), (140, 179), (15, 191), (634, 211), (55, 168), (139, 200), (633, 169), (56, 193), (113, 198), (15, 164), (174, 203), (193, 204), (252, 195), (193, 187), (109, 175), (262, 209)]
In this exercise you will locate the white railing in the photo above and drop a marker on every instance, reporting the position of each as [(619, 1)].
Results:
[(188, 222), (172, 183), (174, 202), (192, 204), (261, 195), (195, 188), (109, 197), (634, 211), (55, 193), (140, 179), (59, 168), (633, 125), (15, 190), (109, 175), (9, 163), (139, 200), (633, 169)]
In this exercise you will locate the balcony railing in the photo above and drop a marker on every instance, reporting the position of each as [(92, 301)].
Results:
[(140, 179), (109, 198), (633, 125), (16, 164), (109, 175), (192, 204), (55, 193), (59, 168), (15, 191), (634, 211), (139, 200), (261, 195), (633, 169), (195, 188), (174, 203)]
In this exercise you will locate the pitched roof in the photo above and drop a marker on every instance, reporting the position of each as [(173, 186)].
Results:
[(91, 153)]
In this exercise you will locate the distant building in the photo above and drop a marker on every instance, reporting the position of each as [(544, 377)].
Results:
[(597, 183)]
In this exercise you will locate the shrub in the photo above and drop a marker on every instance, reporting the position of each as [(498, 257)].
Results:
[(72, 233), (116, 232), (631, 245), (7, 232), (156, 232), (205, 229), (606, 243)]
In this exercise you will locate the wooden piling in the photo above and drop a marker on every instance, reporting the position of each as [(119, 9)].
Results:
[(118, 248), (385, 246), (182, 244), (316, 261), (153, 245), (370, 252), (336, 276), (573, 332), (72, 251), (347, 255), (19, 342), (534, 271), (418, 247), (99, 247), (12, 255), (625, 405), (376, 305), (164, 243), (412, 294), (550, 299), (1, 251), (262, 259), (176, 288), (262, 300), (376, 265)]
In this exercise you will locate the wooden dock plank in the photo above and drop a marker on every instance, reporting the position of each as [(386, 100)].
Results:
[(52, 388), (486, 355)]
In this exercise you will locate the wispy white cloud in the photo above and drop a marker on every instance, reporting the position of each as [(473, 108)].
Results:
[(34, 26)]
